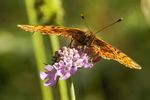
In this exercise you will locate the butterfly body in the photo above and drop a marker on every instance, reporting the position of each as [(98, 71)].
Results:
[(87, 38)]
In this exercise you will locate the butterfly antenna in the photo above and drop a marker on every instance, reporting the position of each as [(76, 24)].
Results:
[(85, 22), (119, 20)]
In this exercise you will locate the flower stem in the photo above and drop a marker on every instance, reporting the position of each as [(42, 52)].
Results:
[(72, 91), (38, 48)]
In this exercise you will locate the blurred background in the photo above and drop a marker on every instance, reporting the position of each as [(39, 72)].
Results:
[(108, 80)]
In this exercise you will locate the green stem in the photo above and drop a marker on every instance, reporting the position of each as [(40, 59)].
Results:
[(72, 91), (38, 48)]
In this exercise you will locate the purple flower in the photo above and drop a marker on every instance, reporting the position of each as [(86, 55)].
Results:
[(50, 74), (68, 61)]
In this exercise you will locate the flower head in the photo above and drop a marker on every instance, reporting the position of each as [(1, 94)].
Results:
[(68, 61)]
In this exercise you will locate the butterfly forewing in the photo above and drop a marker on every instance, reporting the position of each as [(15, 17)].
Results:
[(57, 30)]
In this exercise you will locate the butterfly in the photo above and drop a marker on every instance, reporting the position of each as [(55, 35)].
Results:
[(88, 38)]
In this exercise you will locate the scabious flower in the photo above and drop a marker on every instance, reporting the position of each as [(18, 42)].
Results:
[(67, 61)]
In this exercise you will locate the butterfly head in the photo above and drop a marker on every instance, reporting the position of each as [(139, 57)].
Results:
[(84, 38)]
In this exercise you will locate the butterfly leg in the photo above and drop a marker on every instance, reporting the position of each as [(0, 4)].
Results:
[(71, 42)]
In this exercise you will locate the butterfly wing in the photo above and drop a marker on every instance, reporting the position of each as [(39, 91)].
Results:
[(57, 30), (107, 51)]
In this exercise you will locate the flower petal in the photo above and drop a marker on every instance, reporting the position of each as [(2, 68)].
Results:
[(43, 75)]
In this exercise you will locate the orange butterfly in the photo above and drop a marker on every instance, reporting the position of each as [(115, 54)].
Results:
[(99, 46)]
